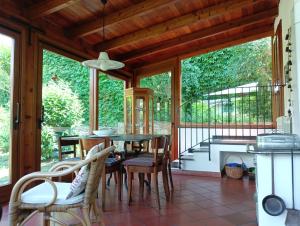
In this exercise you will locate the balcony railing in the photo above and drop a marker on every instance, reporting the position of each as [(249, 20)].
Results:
[(243, 111)]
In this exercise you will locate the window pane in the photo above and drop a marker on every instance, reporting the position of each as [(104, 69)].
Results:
[(6, 73)]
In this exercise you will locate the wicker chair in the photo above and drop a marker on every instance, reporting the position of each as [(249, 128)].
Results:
[(23, 205)]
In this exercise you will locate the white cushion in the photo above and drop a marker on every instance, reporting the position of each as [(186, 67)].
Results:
[(43, 194), (79, 182)]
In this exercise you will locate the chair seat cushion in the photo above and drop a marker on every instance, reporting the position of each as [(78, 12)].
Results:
[(43, 193), (139, 161), (111, 161)]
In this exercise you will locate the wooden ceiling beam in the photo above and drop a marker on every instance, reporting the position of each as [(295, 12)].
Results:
[(46, 7), (201, 34), (185, 20), (247, 36), (134, 10)]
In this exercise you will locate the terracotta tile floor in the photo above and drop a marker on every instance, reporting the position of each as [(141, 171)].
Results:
[(196, 201)]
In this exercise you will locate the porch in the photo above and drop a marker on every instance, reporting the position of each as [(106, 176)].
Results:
[(155, 37)]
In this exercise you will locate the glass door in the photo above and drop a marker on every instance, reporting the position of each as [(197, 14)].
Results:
[(9, 110)]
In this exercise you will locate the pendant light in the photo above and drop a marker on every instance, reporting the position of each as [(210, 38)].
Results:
[(103, 62)]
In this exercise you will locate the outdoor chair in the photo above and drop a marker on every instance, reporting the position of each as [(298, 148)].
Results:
[(50, 197), (64, 141), (151, 164), (168, 159), (112, 164)]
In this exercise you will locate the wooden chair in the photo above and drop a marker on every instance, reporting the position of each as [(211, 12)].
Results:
[(150, 165), (67, 141), (50, 197), (168, 155), (112, 165)]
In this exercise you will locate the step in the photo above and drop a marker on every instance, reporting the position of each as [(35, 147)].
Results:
[(175, 164), (199, 150), (187, 156), (218, 137)]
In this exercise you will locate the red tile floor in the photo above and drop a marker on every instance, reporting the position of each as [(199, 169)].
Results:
[(196, 201)]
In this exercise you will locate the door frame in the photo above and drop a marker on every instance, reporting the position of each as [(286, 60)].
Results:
[(15, 113)]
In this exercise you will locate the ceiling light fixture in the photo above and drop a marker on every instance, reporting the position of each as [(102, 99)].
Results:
[(103, 62)]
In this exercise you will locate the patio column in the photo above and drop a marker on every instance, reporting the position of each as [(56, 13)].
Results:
[(94, 95), (176, 92)]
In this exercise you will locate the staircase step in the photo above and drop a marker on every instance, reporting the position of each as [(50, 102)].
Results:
[(201, 149), (204, 144), (187, 156), (175, 164), (217, 137)]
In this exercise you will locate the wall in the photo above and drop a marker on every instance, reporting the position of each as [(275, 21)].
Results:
[(287, 16)]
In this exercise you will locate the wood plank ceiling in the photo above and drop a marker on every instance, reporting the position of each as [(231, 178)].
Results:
[(140, 32)]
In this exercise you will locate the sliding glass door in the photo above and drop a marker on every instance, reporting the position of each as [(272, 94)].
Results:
[(9, 110)]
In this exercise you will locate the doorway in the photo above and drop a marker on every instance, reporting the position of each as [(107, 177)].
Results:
[(9, 110), (65, 106)]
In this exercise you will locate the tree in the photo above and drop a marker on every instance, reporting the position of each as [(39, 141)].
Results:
[(111, 101), (62, 107), (5, 61), (227, 68), (68, 70)]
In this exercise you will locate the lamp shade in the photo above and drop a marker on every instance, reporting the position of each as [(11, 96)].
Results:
[(103, 63)]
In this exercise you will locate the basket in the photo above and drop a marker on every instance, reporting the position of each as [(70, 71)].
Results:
[(234, 170)]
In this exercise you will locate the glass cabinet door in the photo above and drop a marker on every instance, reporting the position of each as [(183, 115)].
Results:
[(139, 115), (128, 115)]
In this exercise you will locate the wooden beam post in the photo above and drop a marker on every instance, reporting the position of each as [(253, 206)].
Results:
[(94, 99), (176, 94)]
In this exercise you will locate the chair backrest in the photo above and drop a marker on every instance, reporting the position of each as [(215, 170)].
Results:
[(169, 148), (68, 140), (96, 168), (87, 143), (158, 143)]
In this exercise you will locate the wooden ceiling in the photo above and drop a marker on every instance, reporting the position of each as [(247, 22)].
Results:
[(141, 32)]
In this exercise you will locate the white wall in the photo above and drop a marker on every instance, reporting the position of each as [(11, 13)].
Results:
[(287, 15)]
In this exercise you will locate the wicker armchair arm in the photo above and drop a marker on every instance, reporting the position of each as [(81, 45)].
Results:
[(47, 176), (22, 188), (64, 165)]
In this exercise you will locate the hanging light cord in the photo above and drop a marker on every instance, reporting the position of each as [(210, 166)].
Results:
[(103, 17)]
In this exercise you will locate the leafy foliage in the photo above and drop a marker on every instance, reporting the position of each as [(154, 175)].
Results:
[(62, 107), (226, 68), (5, 128), (67, 70), (5, 58), (111, 101), (161, 86), (47, 143)]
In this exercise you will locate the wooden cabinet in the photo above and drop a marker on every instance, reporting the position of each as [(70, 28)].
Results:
[(138, 105)]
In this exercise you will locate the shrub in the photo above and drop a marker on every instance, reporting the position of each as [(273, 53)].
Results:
[(5, 129), (47, 145), (62, 107)]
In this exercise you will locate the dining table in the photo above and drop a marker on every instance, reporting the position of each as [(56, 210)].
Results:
[(130, 139)]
